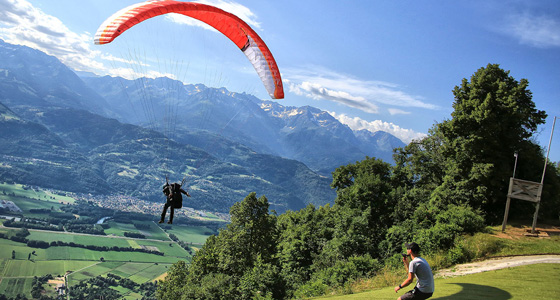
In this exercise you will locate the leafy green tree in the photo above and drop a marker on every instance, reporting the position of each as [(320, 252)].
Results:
[(364, 204), (226, 267), (252, 232), (302, 237), (175, 282), (468, 159), (494, 115)]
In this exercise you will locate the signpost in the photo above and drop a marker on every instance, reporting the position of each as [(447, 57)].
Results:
[(523, 190), (527, 190)]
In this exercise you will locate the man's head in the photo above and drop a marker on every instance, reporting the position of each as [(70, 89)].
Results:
[(413, 247)]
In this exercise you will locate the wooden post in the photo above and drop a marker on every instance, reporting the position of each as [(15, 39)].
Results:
[(537, 209), (506, 214), (523, 190), (507, 204)]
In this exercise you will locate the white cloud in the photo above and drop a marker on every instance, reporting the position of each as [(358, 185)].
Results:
[(317, 91), (396, 111), (22, 23), (237, 9), (320, 83), (537, 31), (405, 135)]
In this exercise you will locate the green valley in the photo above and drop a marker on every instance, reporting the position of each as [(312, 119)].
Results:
[(77, 259)]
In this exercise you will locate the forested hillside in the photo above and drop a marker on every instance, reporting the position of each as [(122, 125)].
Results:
[(81, 152), (74, 134), (450, 184)]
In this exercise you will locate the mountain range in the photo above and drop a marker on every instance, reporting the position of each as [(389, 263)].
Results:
[(109, 135), (306, 134)]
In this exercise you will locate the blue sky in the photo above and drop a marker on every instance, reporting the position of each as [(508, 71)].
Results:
[(377, 65)]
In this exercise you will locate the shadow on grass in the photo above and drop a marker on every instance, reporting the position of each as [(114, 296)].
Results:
[(475, 291)]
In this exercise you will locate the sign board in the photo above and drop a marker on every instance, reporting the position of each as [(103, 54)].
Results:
[(523, 190)]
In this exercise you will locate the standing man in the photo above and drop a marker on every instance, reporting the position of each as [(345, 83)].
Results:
[(420, 268)]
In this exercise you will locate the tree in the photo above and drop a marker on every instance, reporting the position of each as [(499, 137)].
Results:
[(364, 204), (245, 247), (470, 155), (253, 229), (302, 237)]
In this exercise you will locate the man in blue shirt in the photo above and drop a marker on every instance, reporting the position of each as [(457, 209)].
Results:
[(420, 268)]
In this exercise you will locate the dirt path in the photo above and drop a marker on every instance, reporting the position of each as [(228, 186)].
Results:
[(496, 264)]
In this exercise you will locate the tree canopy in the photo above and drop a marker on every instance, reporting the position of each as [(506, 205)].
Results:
[(451, 183)]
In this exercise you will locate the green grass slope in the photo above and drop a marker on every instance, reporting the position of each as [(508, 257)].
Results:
[(533, 282)]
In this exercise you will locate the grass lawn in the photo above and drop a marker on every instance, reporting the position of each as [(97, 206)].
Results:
[(535, 282), (520, 244)]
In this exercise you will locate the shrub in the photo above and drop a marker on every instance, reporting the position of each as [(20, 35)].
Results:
[(311, 289), (343, 271), (465, 217), (450, 224), (439, 237)]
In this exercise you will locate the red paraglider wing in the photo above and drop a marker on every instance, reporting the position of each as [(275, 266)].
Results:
[(246, 39)]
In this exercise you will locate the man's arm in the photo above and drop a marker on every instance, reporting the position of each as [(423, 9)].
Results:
[(406, 263), (186, 193), (405, 282), (410, 275)]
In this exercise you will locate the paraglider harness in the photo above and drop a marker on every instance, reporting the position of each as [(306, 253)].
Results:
[(173, 193)]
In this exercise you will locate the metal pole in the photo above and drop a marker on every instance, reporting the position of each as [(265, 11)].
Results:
[(548, 150), (542, 179), (515, 165)]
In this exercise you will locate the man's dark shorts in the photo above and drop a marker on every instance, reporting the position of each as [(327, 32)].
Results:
[(416, 294)]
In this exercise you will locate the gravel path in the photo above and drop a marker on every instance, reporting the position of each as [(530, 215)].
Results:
[(497, 263)]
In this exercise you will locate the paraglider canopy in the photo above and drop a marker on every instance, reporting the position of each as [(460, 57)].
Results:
[(241, 34)]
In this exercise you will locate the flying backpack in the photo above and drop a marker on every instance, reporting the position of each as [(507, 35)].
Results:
[(176, 195)]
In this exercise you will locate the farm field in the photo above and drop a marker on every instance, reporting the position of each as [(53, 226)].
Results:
[(23, 268), (192, 234), (18, 190), (20, 263), (168, 247), (16, 274), (11, 287), (26, 205), (137, 272), (172, 252), (152, 232)]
